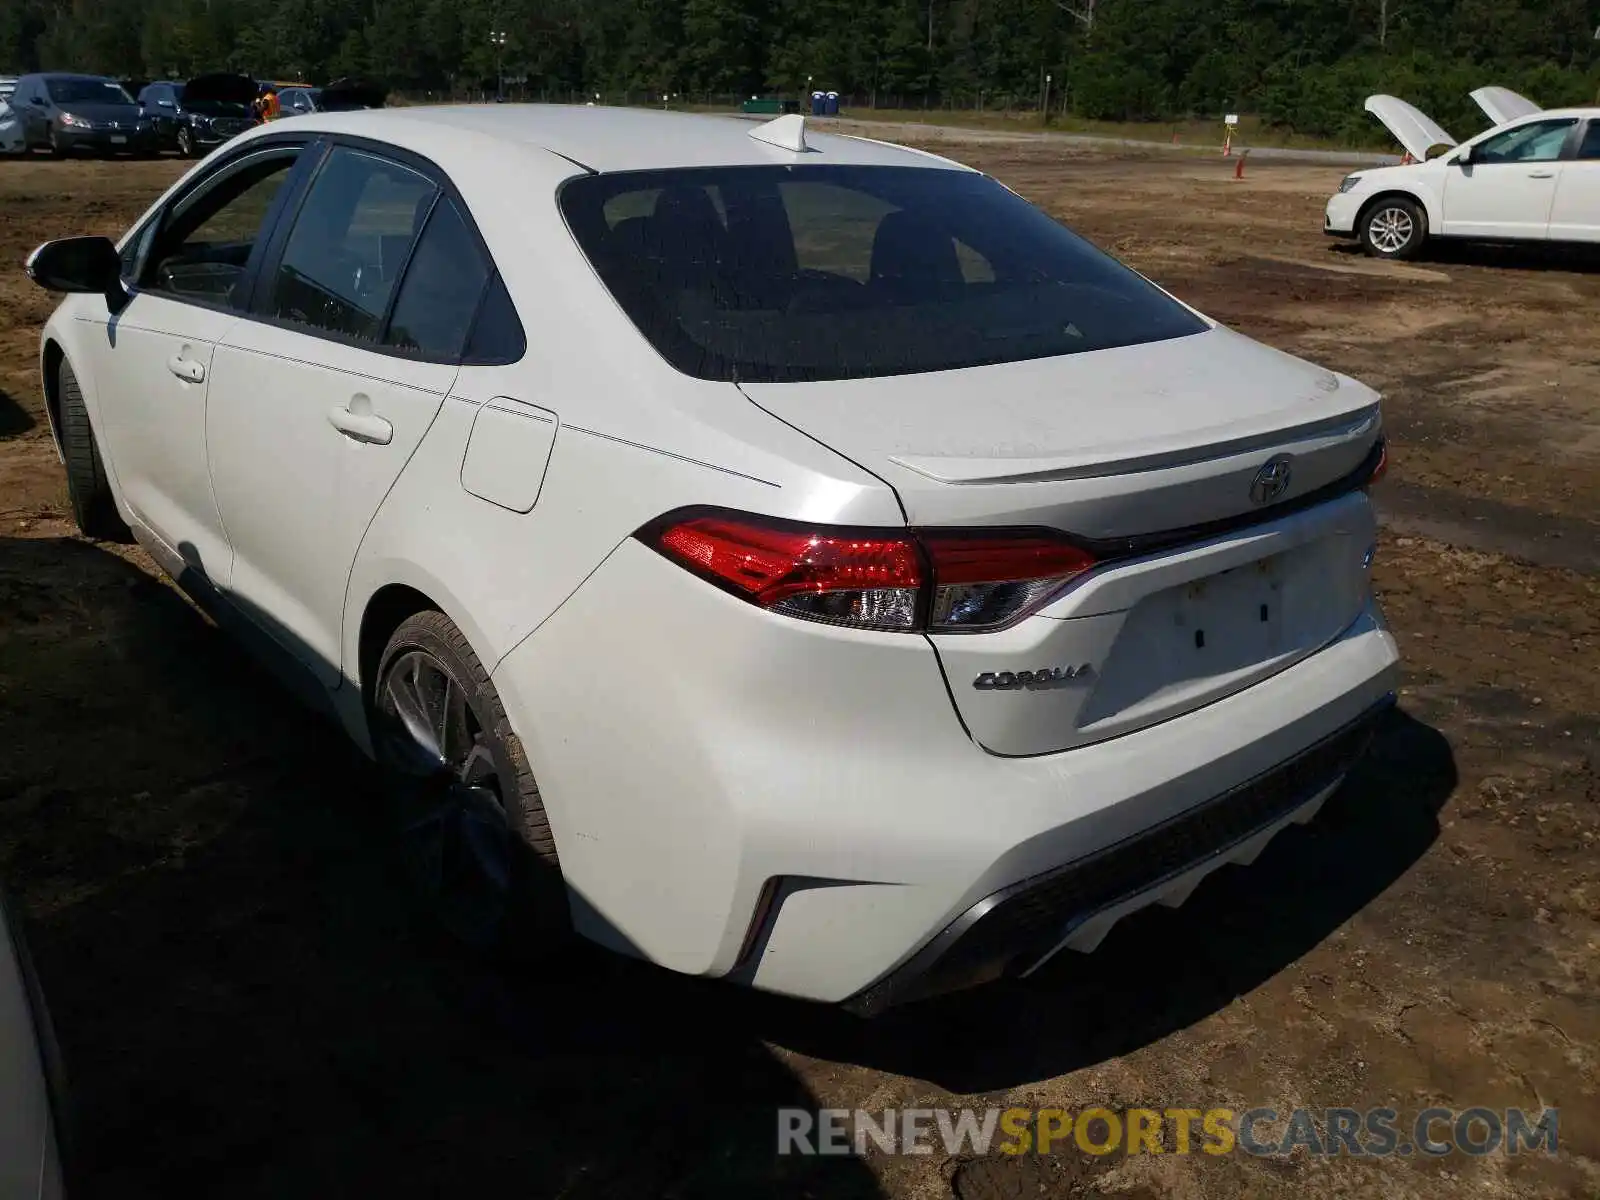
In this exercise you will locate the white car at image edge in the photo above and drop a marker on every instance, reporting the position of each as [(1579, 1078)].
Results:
[(1534, 177), (792, 559)]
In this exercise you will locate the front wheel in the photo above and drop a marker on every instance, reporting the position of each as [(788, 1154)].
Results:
[(185, 142), (93, 508), (474, 838), (1393, 227)]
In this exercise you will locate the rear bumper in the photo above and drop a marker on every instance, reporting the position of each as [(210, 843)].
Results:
[(797, 807), (1016, 929)]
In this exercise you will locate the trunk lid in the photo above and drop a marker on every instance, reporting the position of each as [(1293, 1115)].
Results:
[(1153, 454)]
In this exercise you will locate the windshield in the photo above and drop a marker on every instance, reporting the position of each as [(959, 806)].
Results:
[(86, 91), (783, 274)]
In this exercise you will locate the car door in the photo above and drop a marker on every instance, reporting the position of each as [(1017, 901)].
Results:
[(160, 103), (317, 404), (33, 107), (1507, 190), (189, 275), (1575, 215)]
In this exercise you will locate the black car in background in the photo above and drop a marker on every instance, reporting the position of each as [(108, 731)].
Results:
[(68, 113), (195, 117), (350, 95)]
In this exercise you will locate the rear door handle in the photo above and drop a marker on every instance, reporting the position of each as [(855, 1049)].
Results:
[(362, 426), (1541, 174), (186, 369)]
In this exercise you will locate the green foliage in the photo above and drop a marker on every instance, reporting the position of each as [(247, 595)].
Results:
[(1302, 64)]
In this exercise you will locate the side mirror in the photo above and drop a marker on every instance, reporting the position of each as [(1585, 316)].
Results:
[(82, 265), (1464, 159)]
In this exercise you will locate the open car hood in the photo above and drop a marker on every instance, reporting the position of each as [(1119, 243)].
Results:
[(1501, 105), (344, 94), (1412, 127), (220, 88)]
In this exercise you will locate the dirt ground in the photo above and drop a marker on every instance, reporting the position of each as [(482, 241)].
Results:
[(248, 1007)]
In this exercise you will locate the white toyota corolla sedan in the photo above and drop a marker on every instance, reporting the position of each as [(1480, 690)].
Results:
[(835, 573)]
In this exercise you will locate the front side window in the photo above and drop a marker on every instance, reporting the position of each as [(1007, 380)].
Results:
[(1537, 141), (778, 274), (350, 243), (87, 91), (204, 245)]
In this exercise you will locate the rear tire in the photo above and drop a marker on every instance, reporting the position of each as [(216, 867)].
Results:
[(93, 507), (1393, 227), (473, 835)]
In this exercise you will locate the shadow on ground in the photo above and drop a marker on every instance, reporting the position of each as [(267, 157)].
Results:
[(14, 419), (1525, 256), (246, 1003)]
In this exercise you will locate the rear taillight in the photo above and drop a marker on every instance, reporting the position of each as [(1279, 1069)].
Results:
[(945, 581), (1382, 468), (984, 581)]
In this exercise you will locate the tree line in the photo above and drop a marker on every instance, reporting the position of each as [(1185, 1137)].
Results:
[(1301, 64)]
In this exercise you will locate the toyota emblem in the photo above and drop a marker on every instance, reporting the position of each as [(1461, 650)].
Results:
[(1272, 480)]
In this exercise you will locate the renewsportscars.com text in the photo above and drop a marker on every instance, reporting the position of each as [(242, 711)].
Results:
[(1359, 1133)]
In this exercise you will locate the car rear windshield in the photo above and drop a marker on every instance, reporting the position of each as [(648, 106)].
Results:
[(86, 91), (788, 274)]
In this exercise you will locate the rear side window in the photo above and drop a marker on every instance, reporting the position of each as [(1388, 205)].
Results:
[(350, 243), (1589, 148), (443, 285), (497, 335), (780, 274)]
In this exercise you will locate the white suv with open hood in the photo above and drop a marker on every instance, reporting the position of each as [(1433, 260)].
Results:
[(1534, 177), (832, 572)]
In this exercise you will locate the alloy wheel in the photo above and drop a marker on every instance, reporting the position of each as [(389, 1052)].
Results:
[(455, 837), (1391, 229)]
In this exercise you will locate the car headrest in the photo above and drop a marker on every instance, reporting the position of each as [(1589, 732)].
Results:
[(911, 248)]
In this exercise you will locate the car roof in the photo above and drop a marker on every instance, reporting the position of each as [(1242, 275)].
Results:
[(608, 139), (76, 75)]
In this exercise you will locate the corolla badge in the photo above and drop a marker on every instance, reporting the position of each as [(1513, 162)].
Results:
[(1272, 480), (1044, 677)]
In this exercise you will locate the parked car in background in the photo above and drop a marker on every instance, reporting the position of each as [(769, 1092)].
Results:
[(1534, 177), (297, 100), (11, 139), (198, 116), (68, 114), (8, 84), (351, 95), (794, 559), (31, 1083)]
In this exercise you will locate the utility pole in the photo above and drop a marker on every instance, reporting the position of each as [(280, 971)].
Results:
[(497, 39), (1383, 23), (1044, 105), (930, 26)]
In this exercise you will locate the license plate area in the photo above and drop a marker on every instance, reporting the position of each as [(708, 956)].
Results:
[(1187, 644), (1227, 620), (118, 139)]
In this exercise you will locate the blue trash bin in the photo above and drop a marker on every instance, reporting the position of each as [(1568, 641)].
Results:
[(833, 104), (819, 104)]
